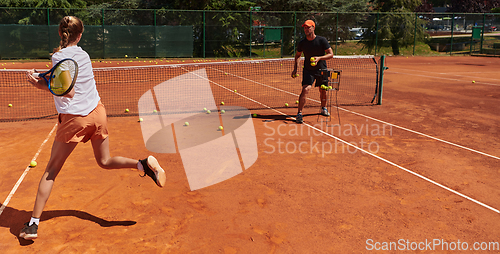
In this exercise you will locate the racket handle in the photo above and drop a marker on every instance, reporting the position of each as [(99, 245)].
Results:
[(36, 75)]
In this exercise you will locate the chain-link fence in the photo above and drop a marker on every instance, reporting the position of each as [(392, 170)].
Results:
[(114, 33)]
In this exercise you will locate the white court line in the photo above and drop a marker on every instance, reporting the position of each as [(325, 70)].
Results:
[(452, 79), (374, 119), (11, 194), (371, 154)]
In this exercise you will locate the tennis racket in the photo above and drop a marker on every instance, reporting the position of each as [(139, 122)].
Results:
[(61, 78)]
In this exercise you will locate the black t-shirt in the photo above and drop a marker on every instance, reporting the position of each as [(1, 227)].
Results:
[(312, 48)]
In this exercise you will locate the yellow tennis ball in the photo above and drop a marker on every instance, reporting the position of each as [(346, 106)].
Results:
[(208, 111), (126, 56), (221, 128), (140, 119), (313, 64), (186, 123), (154, 111), (473, 81), (204, 109), (296, 102), (254, 115), (33, 164), (10, 105), (127, 110), (221, 103), (312, 59), (222, 111), (286, 104)]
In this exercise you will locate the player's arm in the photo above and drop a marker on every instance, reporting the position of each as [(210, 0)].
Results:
[(328, 55), (297, 57), (37, 82), (42, 85), (71, 93)]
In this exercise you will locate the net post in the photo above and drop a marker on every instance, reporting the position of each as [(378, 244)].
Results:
[(381, 81)]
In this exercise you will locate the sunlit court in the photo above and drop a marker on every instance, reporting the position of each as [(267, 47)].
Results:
[(417, 171)]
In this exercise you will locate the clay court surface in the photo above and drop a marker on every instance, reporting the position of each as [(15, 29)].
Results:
[(307, 192)]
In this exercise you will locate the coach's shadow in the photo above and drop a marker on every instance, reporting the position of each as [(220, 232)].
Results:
[(14, 220), (284, 118)]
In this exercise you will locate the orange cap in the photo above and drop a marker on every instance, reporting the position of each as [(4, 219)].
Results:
[(309, 23)]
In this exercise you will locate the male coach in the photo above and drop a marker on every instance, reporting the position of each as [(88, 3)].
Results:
[(316, 50)]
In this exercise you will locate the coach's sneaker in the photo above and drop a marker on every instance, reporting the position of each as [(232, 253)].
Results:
[(298, 118), (152, 169), (29, 232), (324, 111)]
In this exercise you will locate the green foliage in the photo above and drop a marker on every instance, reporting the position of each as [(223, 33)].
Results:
[(314, 5), (395, 24), (45, 3)]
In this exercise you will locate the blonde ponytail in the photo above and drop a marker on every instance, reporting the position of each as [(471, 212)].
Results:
[(70, 28)]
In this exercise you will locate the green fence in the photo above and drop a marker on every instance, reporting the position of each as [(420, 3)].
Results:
[(114, 33)]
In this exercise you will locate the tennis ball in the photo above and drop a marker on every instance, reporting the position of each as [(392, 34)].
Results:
[(33, 164), (323, 87), (473, 81), (221, 103), (296, 102), (286, 104), (10, 105), (204, 109), (235, 91), (186, 124), (140, 119), (313, 64), (254, 115), (154, 111), (126, 56), (312, 59), (222, 111), (127, 110), (330, 87), (208, 111), (221, 128)]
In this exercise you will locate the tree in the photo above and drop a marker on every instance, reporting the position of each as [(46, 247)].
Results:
[(314, 5), (45, 3), (473, 6), (395, 24), (426, 6)]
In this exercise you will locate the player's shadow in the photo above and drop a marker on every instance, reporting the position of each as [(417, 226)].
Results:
[(14, 220)]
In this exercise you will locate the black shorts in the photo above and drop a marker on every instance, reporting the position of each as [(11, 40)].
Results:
[(308, 78)]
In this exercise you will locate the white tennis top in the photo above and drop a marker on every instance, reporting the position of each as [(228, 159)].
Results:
[(86, 96)]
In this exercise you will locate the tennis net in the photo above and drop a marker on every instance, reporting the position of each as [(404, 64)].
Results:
[(253, 84)]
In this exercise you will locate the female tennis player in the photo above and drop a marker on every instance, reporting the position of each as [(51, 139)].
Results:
[(82, 117)]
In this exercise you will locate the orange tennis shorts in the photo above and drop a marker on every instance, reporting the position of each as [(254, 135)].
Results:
[(74, 128)]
